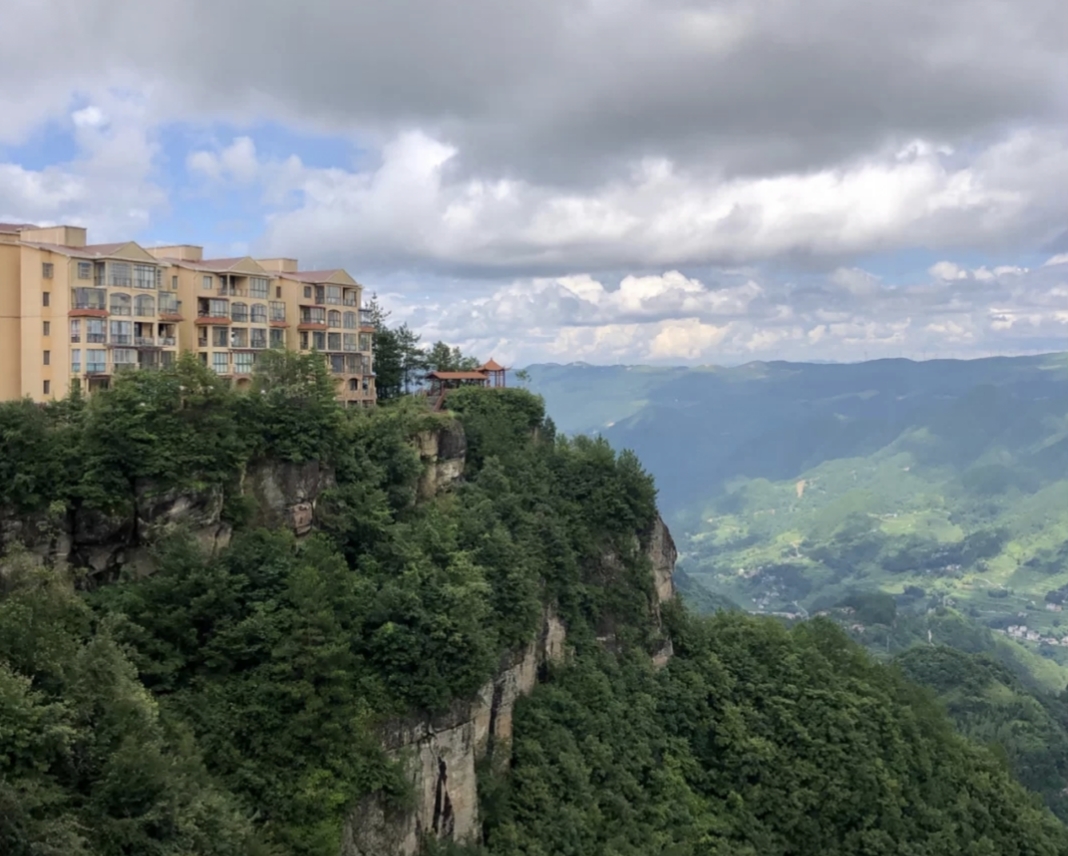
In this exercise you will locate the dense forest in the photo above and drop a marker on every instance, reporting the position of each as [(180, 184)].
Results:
[(229, 703)]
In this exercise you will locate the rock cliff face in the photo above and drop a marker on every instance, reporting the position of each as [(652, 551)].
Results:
[(443, 455), (441, 754)]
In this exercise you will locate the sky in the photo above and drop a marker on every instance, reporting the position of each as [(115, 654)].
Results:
[(611, 181)]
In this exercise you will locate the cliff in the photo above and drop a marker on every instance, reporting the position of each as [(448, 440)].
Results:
[(442, 754)]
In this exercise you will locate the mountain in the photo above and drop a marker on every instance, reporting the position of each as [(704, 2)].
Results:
[(254, 623), (791, 486)]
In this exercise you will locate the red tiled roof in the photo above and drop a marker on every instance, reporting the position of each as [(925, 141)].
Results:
[(15, 228), (491, 366), (458, 375)]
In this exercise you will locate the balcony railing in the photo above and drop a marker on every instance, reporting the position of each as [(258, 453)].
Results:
[(75, 338), (96, 368), (121, 338), (239, 316), (90, 304), (125, 367), (120, 310), (366, 318), (96, 338), (174, 307), (168, 341), (144, 340)]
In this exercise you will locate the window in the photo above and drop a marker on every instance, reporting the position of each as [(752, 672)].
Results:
[(48, 358), (319, 341), (124, 358), (337, 363), (238, 337), (354, 384), (259, 313), (95, 331), (303, 341), (350, 342), (48, 387), (121, 333), (320, 294), (76, 360), (333, 318), (47, 269), (243, 362), (208, 282), (333, 294), (278, 311), (46, 328), (239, 312), (144, 276), (168, 303), (85, 270), (350, 320), (333, 342), (353, 365), (99, 269), (46, 298), (120, 274), (312, 315), (220, 337), (278, 291), (145, 306), (220, 362), (75, 330), (167, 358), (259, 287), (96, 361), (278, 338), (259, 337), (352, 297), (307, 291), (219, 309), (174, 282), (120, 303), (89, 298), (365, 341)]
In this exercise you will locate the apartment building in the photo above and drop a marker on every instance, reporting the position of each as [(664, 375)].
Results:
[(73, 313)]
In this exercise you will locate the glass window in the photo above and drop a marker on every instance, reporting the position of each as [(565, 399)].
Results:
[(120, 304), (144, 276), (352, 297), (220, 362), (319, 341), (145, 306), (333, 318), (278, 310), (259, 287), (350, 320), (89, 298), (220, 337), (312, 315), (95, 331), (303, 341), (365, 341), (337, 363), (47, 269), (308, 291), (333, 294), (96, 360), (259, 313), (85, 270), (219, 309), (333, 342), (350, 342), (174, 282), (124, 357), (243, 362), (47, 386), (352, 363), (47, 358), (75, 329), (259, 337), (168, 303), (238, 337), (239, 312), (46, 328), (121, 333), (120, 274), (46, 298), (278, 338), (75, 360), (208, 282)]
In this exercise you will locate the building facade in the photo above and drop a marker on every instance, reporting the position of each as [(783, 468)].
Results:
[(74, 313)]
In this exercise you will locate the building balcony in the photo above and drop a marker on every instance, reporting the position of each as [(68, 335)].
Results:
[(96, 338), (87, 312), (121, 339), (168, 341), (145, 341), (124, 367)]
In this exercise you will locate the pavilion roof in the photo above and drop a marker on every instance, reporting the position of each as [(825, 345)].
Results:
[(491, 366)]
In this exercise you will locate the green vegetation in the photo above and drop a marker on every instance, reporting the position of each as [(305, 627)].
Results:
[(754, 740), (225, 704), (230, 703)]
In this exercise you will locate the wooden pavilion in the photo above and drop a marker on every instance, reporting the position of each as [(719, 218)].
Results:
[(491, 375)]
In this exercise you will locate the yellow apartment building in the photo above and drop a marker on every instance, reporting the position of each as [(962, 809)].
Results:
[(73, 313)]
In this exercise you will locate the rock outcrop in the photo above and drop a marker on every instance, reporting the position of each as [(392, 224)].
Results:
[(443, 454)]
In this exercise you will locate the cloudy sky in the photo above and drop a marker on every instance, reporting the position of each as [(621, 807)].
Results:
[(664, 181)]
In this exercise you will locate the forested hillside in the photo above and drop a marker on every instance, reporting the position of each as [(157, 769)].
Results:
[(232, 697)]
